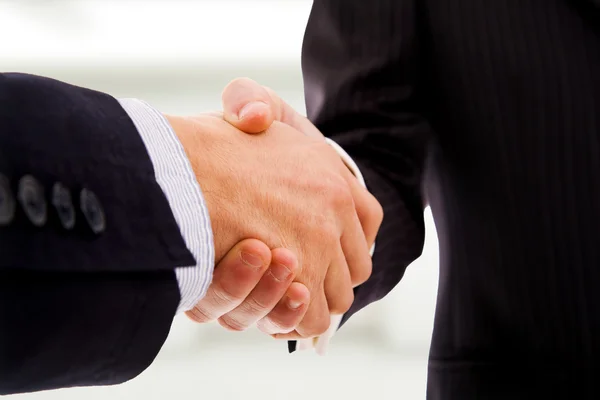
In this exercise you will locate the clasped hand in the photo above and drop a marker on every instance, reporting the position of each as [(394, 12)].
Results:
[(292, 226)]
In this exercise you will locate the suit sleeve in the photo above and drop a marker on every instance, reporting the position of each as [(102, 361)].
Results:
[(362, 76), (88, 242)]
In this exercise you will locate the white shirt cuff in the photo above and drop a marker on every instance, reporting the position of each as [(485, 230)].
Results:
[(176, 178), (348, 161)]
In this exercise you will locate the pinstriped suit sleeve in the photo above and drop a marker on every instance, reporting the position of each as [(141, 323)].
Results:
[(362, 75), (176, 178)]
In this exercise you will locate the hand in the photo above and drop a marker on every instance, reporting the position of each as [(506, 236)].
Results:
[(240, 293), (249, 285), (252, 108), (286, 190)]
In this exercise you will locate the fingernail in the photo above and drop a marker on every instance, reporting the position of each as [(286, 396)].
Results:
[(251, 259), (280, 272), (251, 107), (294, 304)]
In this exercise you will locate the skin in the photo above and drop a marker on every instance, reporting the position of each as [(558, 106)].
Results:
[(266, 294), (254, 284)]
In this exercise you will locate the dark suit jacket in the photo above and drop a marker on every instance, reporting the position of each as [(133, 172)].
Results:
[(88, 242), (493, 109)]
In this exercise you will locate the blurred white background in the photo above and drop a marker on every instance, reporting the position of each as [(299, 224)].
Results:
[(178, 55)]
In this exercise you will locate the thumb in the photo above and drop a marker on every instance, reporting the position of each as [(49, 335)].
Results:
[(284, 113), (247, 106), (252, 108)]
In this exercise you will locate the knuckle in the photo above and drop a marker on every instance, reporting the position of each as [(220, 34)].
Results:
[(377, 213), (321, 228), (329, 231), (231, 324), (199, 315), (223, 296), (340, 195), (374, 213), (362, 274), (266, 327), (285, 327), (322, 221), (279, 324), (254, 306)]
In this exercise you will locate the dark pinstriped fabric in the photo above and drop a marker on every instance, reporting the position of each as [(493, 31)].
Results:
[(491, 108)]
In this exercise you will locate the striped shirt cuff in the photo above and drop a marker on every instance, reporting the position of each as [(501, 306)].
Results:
[(176, 178)]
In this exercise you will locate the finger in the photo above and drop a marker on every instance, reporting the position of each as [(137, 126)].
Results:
[(246, 105), (266, 294), (234, 278), (286, 114), (354, 243), (243, 93), (369, 212), (338, 286), (368, 209), (316, 319), (288, 313), (356, 250)]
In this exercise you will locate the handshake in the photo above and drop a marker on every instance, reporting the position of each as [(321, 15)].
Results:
[(292, 226)]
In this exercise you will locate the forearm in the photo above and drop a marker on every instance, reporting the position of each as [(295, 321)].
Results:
[(83, 140)]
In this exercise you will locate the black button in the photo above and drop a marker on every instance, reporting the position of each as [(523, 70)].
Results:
[(92, 210), (7, 202), (31, 197), (62, 202)]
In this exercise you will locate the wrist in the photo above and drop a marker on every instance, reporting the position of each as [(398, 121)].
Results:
[(348, 161), (204, 140)]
